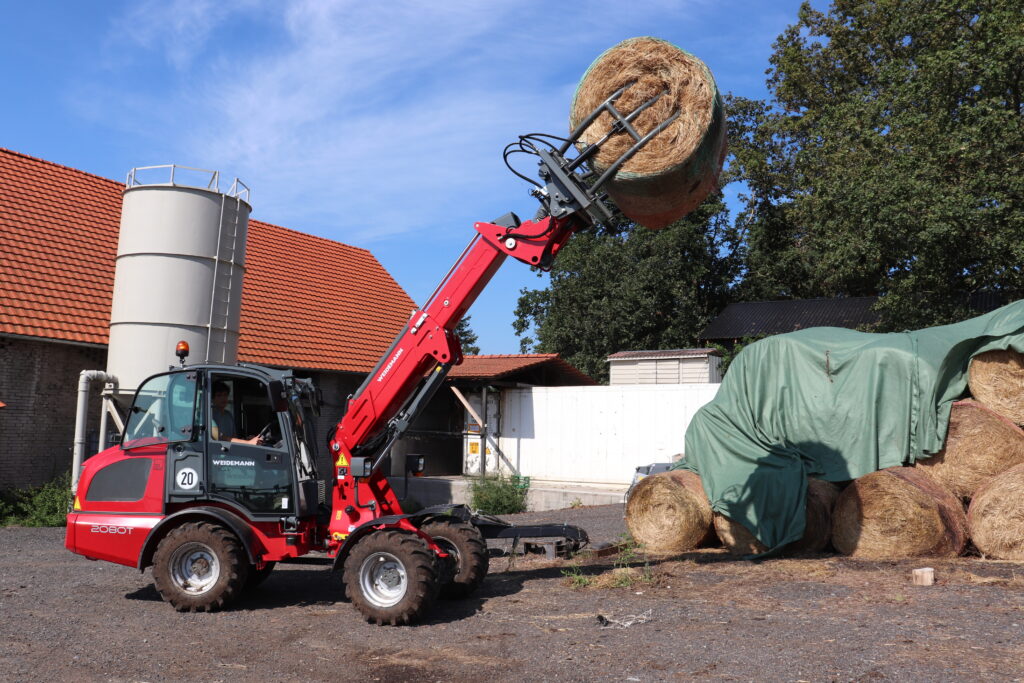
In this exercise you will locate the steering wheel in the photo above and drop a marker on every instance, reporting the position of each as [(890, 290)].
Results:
[(264, 434)]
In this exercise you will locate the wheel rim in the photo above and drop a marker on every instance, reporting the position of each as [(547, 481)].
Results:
[(383, 579), (194, 568)]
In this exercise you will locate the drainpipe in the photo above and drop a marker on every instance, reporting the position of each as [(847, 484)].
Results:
[(85, 378)]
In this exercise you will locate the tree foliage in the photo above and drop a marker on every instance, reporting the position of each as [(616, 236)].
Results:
[(467, 337), (626, 287), (889, 160)]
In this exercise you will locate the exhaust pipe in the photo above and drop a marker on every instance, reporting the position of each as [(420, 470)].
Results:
[(85, 378)]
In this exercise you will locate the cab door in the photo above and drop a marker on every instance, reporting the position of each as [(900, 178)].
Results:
[(248, 462)]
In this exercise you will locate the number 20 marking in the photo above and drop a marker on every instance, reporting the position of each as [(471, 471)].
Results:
[(187, 478)]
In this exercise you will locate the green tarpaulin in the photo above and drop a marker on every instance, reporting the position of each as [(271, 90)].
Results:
[(834, 404)]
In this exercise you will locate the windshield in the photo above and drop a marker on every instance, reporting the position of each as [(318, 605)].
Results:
[(163, 412)]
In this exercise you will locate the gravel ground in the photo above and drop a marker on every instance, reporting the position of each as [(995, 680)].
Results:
[(700, 615)]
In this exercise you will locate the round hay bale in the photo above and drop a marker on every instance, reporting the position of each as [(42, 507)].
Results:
[(679, 167), (821, 498), (669, 512), (996, 378), (996, 516), (898, 512), (979, 445)]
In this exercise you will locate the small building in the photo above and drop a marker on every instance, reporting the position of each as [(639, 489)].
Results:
[(675, 366)]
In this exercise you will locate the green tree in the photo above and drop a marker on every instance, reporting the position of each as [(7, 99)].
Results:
[(467, 337), (888, 161), (626, 287)]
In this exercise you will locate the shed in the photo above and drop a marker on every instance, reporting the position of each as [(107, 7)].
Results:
[(674, 366)]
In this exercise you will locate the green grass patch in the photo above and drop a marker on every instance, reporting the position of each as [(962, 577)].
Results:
[(499, 495)]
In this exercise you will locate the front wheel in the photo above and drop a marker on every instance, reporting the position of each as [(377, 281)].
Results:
[(199, 567), (467, 551), (391, 577)]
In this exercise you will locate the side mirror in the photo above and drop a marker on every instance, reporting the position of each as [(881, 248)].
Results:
[(278, 397)]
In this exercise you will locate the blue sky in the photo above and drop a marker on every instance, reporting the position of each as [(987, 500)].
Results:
[(377, 124)]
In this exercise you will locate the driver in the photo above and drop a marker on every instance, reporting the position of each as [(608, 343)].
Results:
[(222, 427)]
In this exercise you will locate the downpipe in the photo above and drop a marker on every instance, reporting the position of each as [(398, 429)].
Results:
[(85, 379)]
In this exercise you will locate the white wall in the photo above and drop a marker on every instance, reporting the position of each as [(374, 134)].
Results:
[(596, 434)]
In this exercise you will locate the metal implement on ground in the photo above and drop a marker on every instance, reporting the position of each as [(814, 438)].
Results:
[(212, 512)]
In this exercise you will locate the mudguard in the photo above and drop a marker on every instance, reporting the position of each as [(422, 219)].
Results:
[(232, 521)]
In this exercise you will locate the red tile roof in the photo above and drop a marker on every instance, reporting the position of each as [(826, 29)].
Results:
[(307, 302), (490, 368)]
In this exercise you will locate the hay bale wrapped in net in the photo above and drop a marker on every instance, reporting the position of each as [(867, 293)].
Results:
[(669, 512), (679, 167), (996, 378), (898, 512), (979, 445), (996, 516), (821, 498)]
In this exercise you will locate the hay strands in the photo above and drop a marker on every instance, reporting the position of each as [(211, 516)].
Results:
[(573, 183)]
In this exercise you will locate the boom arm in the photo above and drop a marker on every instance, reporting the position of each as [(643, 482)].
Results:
[(419, 359)]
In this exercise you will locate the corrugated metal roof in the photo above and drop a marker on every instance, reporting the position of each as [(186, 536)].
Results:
[(490, 368), (667, 353), (754, 318), (307, 302)]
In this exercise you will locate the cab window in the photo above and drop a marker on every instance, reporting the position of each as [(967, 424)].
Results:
[(163, 411)]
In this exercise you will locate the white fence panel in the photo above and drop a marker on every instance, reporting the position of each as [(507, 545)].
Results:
[(597, 434)]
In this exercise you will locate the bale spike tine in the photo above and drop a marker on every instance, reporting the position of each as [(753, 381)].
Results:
[(585, 123), (613, 169)]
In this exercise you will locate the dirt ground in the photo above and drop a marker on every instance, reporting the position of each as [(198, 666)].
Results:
[(701, 615)]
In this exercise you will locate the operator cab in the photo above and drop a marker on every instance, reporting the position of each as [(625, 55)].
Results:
[(241, 436)]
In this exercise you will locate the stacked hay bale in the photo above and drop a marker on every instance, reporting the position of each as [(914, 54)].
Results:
[(996, 516), (669, 512), (821, 498), (893, 513), (898, 512), (920, 510)]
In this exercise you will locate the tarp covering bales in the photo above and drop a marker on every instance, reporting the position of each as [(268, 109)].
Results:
[(834, 404)]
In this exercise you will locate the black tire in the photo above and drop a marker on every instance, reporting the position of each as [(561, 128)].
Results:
[(199, 567), (391, 577), (464, 543), (258, 576)]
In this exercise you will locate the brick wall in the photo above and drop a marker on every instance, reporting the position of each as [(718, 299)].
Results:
[(39, 384)]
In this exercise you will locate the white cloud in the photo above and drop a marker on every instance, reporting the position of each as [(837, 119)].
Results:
[(178, 28), (370, 117)]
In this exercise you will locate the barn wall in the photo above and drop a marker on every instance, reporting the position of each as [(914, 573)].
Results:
[(39, 384)]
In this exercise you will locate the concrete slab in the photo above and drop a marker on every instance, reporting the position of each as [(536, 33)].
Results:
[(543, 495)]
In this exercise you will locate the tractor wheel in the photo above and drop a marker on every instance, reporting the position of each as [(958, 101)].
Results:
[(468, 552), (391, 577), (199, 567), (258, 576)]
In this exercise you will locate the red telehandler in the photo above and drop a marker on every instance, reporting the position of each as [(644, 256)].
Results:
[(213, 515)]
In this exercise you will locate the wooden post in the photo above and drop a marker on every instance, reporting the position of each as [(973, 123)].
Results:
[(925, 576)]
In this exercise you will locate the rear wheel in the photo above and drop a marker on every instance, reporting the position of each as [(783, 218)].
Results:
[(391, 577), (199, 567), (468, 551)]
